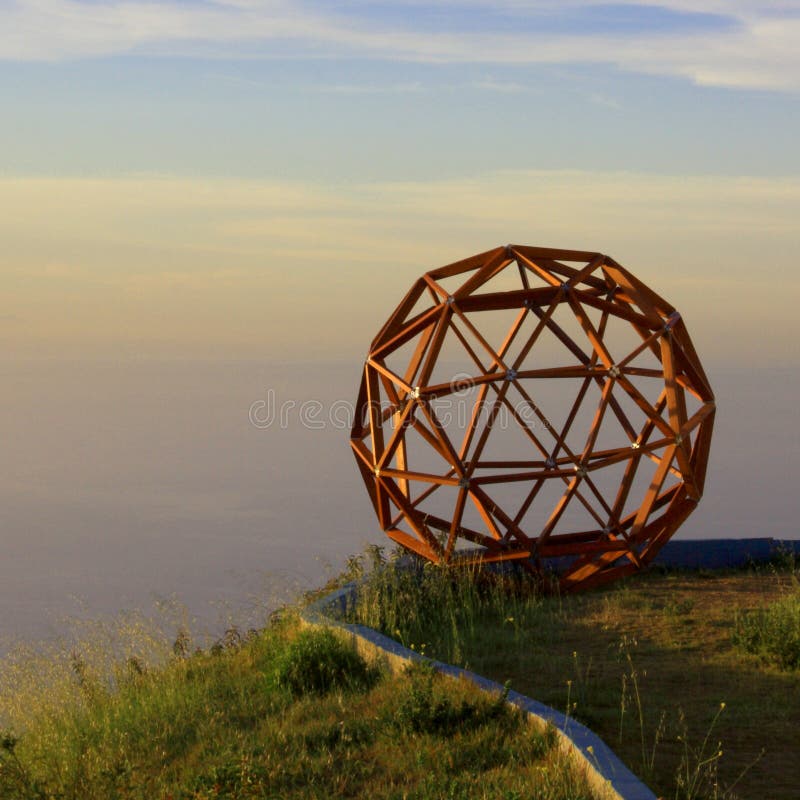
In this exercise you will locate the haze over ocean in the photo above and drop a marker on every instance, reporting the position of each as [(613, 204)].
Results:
[(211, 204)]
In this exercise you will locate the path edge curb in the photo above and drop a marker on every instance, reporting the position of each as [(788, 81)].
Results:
[(609, 778)]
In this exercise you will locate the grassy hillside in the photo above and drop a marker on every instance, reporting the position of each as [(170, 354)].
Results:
[(283, 713), (692, 677)]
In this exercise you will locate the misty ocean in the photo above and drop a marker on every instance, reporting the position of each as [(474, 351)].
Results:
[(228, 487)]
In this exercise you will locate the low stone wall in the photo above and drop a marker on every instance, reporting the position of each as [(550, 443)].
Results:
[(722, 553)]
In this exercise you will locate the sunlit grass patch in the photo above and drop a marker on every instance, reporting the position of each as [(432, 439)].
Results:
[(288, 713), (772, 632)]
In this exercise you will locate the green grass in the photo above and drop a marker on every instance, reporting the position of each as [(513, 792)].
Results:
[(284, 713), (657, 665), (772, 632)]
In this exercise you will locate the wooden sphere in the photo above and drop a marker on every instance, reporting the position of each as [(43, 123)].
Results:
[(536, 405)]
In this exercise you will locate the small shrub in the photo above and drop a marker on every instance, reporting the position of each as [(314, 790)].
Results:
[(182, 646), (678, 607), (339, 734), (237, 777), (772, 633), (232, 639), (425, 708), (785, 558), (317, 662), (15, 783)]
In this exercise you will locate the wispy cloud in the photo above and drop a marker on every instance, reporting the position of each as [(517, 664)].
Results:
[(598, 99), (757, 46), (504, 87), (373, 88)]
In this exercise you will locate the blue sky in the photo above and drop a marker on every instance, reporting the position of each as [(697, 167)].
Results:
[(738, 43), (366, 91), (531, 18), (365, 120)]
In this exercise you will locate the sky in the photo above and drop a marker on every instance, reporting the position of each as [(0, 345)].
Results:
[(204, 202), (231, 178)]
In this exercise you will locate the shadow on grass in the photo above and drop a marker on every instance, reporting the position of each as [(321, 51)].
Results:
[(649, 665)]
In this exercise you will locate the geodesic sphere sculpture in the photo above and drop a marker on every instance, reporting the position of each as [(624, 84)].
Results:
[(536, 405)]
